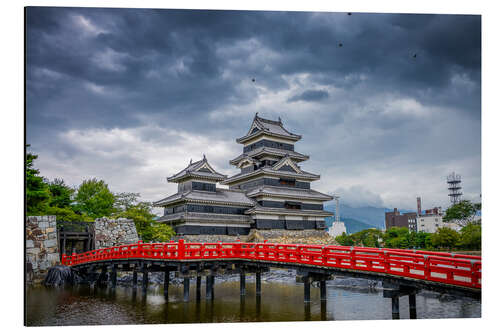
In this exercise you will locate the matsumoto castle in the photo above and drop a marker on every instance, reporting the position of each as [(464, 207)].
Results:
[(270, 192)]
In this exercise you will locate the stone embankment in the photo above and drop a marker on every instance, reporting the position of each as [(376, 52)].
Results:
[(110, 232), (272, 236), (42, 248)]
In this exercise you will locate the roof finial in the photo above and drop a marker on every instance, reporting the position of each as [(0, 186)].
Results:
[(256, 114), (279, 119), (204, 157), (190, 161)]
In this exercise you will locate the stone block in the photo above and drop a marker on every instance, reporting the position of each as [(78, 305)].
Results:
[(52, 219), (43, 225), (52, 235), (33, 250), (50, 243), (53, 258), (50, 229), (45, 218), (29, 243), (44, 264)]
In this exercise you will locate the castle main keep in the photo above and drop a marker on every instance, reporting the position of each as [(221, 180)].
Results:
[(270, 191)]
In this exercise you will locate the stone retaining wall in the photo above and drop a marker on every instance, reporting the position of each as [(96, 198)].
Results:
[(42, 246), (114, 232)]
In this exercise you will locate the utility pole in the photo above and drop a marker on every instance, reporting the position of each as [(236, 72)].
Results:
[(337, 216)]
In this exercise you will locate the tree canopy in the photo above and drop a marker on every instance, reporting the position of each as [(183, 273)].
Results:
[(94, 198), (462, 213), (37, 192)]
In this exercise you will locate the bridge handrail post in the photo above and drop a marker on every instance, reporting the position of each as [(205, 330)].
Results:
[(427, 267), (180, 249)]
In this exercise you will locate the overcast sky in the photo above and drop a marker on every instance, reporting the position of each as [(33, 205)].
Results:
[(387, 105)]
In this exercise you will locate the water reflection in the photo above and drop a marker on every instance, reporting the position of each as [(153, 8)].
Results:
[(87, 305)]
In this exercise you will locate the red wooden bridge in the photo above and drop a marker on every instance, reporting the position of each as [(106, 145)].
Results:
[(407, 270)]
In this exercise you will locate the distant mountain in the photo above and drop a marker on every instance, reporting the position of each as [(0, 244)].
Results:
[(352, 225), (372, 216)]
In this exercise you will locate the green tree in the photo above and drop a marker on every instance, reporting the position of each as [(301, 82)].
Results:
[(147, 228), (397, 237), (94, 199), (470, 237), (125, 200), (60, 194), (462, 213), (445, 238), (37, 193), (345, 240)]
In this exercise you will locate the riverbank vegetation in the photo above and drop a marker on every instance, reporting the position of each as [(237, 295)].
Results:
[(90, 200), (468, 238)]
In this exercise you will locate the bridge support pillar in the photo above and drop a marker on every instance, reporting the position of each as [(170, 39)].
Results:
[(166, 283), (145, 278), (113, 276), (198, 287), (103, 276), (134, 278), (208, 287), (307, 288), (322, 290), (186, 289), (395, 307), (413, 305), (212, 284), (257, 283), (242, 283)]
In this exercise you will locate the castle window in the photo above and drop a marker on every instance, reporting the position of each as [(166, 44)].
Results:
[(287, 181)]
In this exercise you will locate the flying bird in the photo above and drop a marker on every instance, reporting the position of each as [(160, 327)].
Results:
[(253, 79), (349, 14), (340, 44)]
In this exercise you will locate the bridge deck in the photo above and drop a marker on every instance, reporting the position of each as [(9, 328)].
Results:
[(430, 270)]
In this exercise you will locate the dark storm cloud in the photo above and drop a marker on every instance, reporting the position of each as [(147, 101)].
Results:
[(201, 71), (309, 96)]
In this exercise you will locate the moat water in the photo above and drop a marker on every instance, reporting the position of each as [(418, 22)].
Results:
[(281, 300)]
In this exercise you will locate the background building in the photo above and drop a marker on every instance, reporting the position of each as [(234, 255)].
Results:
[(398, 219)]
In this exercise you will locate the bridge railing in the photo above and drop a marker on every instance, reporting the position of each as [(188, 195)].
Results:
[(462, 270)]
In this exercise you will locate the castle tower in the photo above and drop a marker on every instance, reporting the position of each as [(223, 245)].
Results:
[(199, 207), (270, 175)]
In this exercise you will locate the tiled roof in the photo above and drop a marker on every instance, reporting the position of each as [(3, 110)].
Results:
[(270, 171), (270, 127), (283, 211), (222, 196), (195, 170), (270, 151), (206, 217), (288, 192)]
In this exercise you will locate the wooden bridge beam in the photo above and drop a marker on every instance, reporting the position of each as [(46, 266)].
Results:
[(166, 283), (208, 287), (307, 288), (257, 283), (198, 287), (113, 276), (395, 306), (242, 282), (186, 289), (145, 277), (413, 305)]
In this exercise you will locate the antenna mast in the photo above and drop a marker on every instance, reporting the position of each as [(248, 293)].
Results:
[(454, 186)]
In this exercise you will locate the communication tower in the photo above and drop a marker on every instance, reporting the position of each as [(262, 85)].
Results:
[(337, 210), (454, 186)]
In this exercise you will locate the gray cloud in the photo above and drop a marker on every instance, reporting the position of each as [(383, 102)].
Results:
[(309, 96), (149, 80)]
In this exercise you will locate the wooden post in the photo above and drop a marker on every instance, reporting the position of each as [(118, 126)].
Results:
[(395, 307), (212, 284), (413, 305), (242, 283), (186, 289), (322, 290), (323, 310), (166, 283), (198, 287), (257, 283), (64, 243), (145, 277), (134, 278), (208, 287), (307, 289), (113, 276)]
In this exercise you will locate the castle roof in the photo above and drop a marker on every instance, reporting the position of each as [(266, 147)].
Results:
[(270, 127), (288, 192), (220, 196), (262, 151), (198, 170)]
